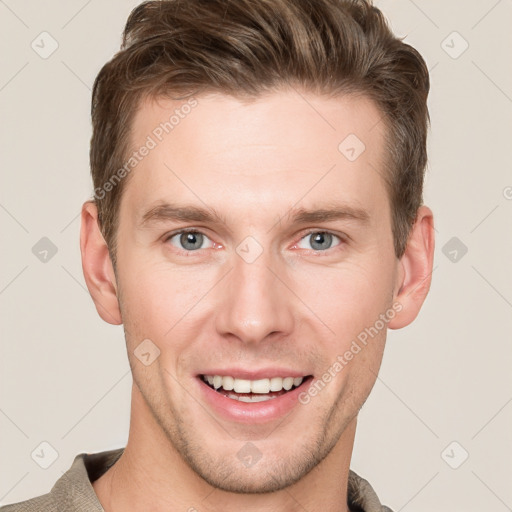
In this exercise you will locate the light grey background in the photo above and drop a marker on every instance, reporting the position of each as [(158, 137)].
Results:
[(64, 372)]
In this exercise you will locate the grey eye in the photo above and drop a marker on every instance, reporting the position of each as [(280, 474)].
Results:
[(320, 240), (188, 240)]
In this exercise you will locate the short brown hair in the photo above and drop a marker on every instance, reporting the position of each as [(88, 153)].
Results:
[(180, 49)]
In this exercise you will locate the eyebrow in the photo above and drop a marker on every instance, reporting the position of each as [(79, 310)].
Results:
[(335, 212), (187, 213), (169, 212)]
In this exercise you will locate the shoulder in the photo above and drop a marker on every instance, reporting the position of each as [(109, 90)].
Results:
[(38, 504), (361, 495), (73, 491)]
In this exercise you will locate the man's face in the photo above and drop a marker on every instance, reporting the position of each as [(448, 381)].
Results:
[(256, 295)]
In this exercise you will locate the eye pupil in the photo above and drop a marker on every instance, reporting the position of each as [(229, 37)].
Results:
[(194, 239), (321, 239)]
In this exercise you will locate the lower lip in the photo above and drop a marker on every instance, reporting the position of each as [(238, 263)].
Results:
[(252, 412)]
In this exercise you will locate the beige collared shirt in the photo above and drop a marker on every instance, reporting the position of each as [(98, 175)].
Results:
[(73, 491)]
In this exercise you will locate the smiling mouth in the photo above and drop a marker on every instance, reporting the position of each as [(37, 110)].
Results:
[(250, 391)]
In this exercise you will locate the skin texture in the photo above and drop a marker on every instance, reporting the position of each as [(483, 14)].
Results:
[(293, 307)]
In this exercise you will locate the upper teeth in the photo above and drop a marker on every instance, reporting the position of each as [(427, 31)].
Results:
[(252, 386)]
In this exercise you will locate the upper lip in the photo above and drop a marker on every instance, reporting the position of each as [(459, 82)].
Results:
[(262, 373)]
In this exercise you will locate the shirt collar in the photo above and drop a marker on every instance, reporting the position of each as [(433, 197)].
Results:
[(73, 491)]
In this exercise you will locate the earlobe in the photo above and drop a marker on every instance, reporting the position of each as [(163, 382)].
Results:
[(97, 266), (415, 269)]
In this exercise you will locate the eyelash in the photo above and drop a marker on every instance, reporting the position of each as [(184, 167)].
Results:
[(342, 239)]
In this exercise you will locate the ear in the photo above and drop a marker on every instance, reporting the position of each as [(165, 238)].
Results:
[(415, 269), (97, 266)]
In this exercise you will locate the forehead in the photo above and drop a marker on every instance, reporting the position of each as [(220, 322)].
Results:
[(226, 152)]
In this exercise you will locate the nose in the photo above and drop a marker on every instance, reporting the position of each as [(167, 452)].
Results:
[(255, 301)]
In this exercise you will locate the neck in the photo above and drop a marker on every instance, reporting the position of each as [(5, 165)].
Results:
[(151, 475)]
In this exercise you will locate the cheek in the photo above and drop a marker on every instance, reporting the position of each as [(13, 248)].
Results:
[(157, 301), (346, 298)]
